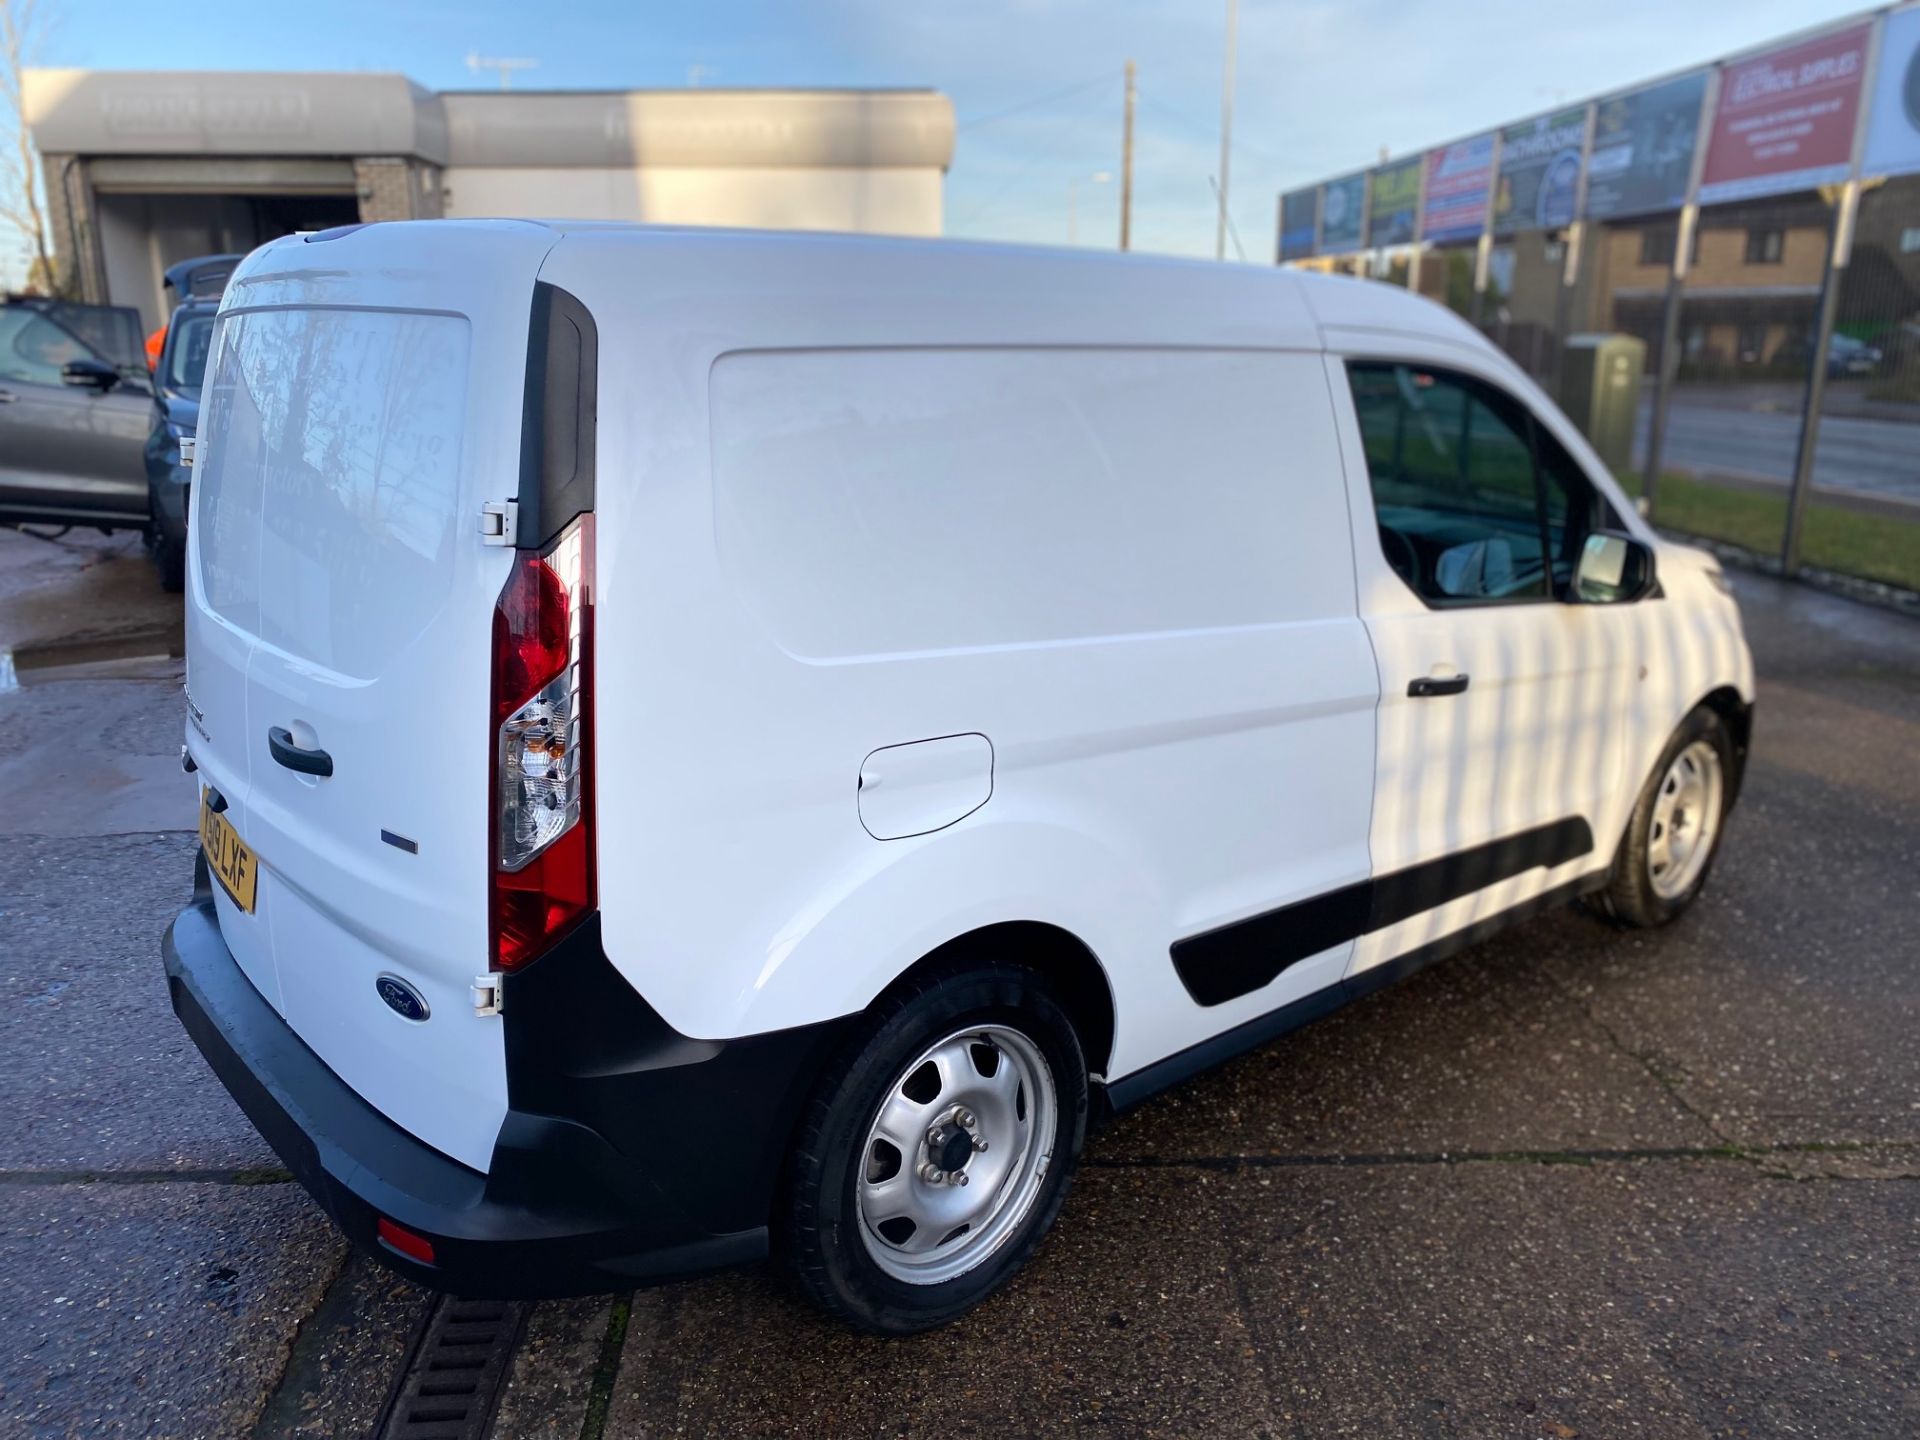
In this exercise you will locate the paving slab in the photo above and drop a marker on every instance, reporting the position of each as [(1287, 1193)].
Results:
[(1477, 1053), (346, 1356), (1127, 1321), (162, 1309), (551, 1382), (96, 756), (101, 1074), (1629, 1298), (1649, 1298)]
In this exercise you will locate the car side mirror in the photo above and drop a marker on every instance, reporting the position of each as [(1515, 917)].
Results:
[(90, 375), (1613, 568)]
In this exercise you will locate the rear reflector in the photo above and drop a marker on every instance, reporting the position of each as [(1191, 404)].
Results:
[(542, 852), (397, 1237)]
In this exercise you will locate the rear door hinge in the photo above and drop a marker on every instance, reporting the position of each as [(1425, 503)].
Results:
[(500, 522), (486, 995)]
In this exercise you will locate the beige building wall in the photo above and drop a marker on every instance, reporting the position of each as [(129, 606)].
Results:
[(807, 160), (892, 202)]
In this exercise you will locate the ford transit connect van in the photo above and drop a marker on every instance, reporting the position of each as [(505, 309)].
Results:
[(716, 744)]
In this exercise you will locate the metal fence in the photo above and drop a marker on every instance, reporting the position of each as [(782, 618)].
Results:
[(1778, 298)]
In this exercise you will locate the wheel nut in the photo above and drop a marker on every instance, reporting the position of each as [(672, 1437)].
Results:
[(965, 1117), (980, 1144), (961, 1178), (932, 1174), (937, 1135)]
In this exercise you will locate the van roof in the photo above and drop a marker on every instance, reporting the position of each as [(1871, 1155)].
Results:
[(1159, 299)]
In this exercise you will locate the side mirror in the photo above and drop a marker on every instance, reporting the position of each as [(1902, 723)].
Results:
[(1612, 568), (90, 375)]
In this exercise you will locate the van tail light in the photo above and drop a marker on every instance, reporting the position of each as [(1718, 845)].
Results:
[(542, 822)]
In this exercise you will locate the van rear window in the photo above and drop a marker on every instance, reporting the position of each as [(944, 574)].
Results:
[(331, 489), (961, 498)]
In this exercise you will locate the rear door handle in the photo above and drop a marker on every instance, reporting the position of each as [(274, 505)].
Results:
[(307, 762), (1436, 685), (7, 397)]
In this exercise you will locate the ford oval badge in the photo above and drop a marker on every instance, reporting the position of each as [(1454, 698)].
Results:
[(401, 998)]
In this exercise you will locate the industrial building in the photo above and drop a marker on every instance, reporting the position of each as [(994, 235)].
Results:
[(144, 168)]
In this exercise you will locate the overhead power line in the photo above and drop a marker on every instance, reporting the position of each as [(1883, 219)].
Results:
[(1034, 104)]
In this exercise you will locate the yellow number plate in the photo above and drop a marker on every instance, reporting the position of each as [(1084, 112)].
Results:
[(232, 863)]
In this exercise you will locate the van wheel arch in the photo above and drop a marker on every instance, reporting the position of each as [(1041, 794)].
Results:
[(1078, 979), (1737, 715)]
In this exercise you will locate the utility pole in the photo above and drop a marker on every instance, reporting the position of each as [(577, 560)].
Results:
[(1126, 169), (1226, 128)]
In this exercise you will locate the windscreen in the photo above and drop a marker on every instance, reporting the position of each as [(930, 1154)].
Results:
[(331, 485), (187, 362)]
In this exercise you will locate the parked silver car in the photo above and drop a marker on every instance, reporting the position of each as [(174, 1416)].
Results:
[(76, 405)]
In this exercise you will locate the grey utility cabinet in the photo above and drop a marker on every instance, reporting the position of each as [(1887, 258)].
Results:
[(1600, 391)]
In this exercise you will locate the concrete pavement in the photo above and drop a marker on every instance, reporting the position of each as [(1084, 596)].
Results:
[(1572, 1183)]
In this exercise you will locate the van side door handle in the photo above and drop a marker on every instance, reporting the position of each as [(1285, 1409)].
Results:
[(1436, 685), (307, 762)]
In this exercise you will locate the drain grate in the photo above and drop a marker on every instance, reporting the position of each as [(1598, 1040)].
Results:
[(458, 1368)]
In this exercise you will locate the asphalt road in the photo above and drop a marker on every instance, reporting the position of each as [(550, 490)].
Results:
[(1571, 1183), (1754, 431)]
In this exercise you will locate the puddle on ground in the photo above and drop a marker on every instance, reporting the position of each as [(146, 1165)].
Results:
[(147, 656)]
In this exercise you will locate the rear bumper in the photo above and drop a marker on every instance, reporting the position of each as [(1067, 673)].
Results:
[(564, 1209)]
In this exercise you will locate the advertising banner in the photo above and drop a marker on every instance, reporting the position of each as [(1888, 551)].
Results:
[(1539, 172), (1893, 125), (1298, 211), (1785, 119), (1459, 185), (1343, 214), (1393, 205), (1643, 148)]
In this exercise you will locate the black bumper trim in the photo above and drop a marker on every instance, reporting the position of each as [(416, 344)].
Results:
[(561, 1211)]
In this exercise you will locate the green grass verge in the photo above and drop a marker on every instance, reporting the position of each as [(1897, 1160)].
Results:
[(1874, 547)]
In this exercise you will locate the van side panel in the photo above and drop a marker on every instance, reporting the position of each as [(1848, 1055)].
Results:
[(1127, 567)]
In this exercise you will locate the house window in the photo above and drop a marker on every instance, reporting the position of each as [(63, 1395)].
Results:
[(1766, 246), (1657, 243)]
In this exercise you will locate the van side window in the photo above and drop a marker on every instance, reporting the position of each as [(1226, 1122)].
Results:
[(1465, 514)]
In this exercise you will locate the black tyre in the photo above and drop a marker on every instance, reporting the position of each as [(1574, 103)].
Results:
[(936, 1149), (1674, 834), (170, 559)]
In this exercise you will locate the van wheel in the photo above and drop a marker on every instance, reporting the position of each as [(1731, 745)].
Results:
[(1675, 831), (170, 559), (936, 1150)]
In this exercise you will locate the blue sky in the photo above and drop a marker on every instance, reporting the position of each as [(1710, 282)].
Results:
[(1323, 84)]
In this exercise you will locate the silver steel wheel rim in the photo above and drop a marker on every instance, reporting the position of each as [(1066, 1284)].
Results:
[(956, 1154), (1686, 820)]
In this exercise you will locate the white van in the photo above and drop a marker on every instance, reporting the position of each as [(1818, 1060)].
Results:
[(717, 744)]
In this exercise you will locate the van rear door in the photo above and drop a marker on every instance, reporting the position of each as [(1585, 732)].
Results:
[(365, 403)]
